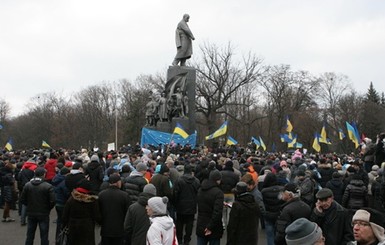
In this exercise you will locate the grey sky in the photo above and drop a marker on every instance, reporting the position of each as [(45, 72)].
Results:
[(67, 45)]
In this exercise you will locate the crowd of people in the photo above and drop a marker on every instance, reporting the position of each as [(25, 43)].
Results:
[(141, 196)]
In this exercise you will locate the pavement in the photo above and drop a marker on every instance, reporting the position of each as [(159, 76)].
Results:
[(13, 233)]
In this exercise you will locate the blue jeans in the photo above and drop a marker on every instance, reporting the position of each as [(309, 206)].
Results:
[(204, 241), (270, 232), (43, 222)]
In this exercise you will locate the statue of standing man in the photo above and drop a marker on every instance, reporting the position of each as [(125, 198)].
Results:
[(183, 40)]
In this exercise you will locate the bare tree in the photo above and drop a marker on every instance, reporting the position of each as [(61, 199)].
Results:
[(219, 77)]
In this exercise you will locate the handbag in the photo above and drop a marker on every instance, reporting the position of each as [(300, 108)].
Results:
[(63, 236)]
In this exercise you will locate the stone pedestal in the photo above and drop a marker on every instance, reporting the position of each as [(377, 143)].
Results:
[(185, 78), (164, 126)]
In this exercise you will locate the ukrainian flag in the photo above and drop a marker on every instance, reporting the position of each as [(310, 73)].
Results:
[(256, 141), (45, 144), (316, 145), (231, 141), (221, 131), (352, 134), (179, 130), (262, 143), (9, 144), (289, 126), (341, 134), (323, 137)]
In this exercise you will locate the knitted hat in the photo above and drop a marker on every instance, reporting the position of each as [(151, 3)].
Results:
[(324, 193), (241, 187), (158, 205), (302, 232), (374, 218), (40, 171), (94, 158), (215, 175), (150, 188), (114, 178), (141, 167)]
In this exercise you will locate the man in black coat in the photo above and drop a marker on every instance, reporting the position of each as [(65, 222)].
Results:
[(113, 203), (76, 175), (333, 219), (136, 222), (210, 206), (294, 208), (185, 196)]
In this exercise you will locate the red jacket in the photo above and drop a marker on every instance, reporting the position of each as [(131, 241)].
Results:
[(50, 166)]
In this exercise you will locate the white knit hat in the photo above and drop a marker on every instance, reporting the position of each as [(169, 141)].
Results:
[(158, 205)]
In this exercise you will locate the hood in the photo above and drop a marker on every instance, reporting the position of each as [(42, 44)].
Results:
[(208, 184), (136, 173), (30, 165), (51, 162), (246, 199), (58, 179), (36, 181), (336, 183), (93, 165), (188, 178), (81, 197), (166, 222), (357, 182), (143, 198)]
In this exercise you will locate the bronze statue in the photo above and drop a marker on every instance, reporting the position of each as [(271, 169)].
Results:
[(183, 40)]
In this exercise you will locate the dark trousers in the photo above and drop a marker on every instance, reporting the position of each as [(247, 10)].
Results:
[(33, 222), (59, 211), (185, 221), (205, 241), (112, 240)]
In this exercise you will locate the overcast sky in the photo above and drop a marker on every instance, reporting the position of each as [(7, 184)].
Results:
[(64, 46)]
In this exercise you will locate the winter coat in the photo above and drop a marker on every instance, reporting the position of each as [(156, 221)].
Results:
[(39, 197), (229, 180), (243, 221), (291, 210), (26, 174), (185, 194), (355, 243), (73, 179), (354, 196), (8, 182), (61, 191), (161, 231), (210, 206), (50, 166), (136, 222), (134, 185), (307, 187), (337, 187), (162, 184), (326, 172), (335, 224), (378, 194), (272, 202), (95, 175), (379, 153), (80, 214), (113, 204)]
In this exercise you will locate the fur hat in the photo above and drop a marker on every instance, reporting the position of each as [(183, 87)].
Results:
[(158, 205), (374, 218), (150, 188), (302, 232)]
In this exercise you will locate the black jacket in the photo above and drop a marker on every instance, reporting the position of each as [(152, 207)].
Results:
[(272, 203), (355, 195), (335, 224), (291, 210), (39, 197), (243, 221), (137, 222), (338, 188), (210, 206), (229, 180), (95, 174), (134, 185), (72, 180), (185, 194), (113, 204)]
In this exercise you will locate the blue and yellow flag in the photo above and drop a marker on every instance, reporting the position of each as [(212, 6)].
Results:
[(352, 134), (219, 132), (293, 141), (231, 141), (316, 146), (262, 143), (9, 144), (323, 136), (289, 126), (179, 130), (341, 134), (45, 144), (256, 142)]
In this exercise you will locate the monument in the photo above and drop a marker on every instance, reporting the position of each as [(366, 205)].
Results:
[(177, 102)]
